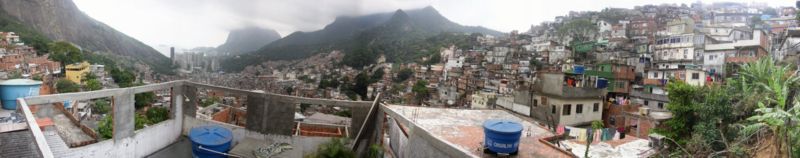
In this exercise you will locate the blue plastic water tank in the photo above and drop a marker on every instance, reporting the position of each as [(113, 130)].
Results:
[(502, 136), (602, 83), (10, 90), (211, 137), (578, 69)]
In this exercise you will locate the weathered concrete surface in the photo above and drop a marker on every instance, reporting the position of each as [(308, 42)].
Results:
[(124, 111), (279, 117), (359, 114), (256, 109), (180, 149), (190, 107), (419, 147), (18, 144)]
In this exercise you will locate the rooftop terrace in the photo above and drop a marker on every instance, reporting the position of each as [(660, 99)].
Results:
[(270, 119), (403, 131)]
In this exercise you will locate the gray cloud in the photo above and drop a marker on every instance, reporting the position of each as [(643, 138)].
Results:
[(192, 23)]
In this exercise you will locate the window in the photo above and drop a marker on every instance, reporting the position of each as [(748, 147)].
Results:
[(535, 102), (596, 107), (646, 102), (661, 105), (553, 109), (567, 108), (579, 108), (695, 76)]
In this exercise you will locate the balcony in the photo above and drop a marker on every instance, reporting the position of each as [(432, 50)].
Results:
[(623, 75), (649, 96), (569, 92), (603, 74), (269, 118), (742, 59), (656, 82)]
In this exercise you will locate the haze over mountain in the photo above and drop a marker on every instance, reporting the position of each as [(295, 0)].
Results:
[(349, 32), (247, 39), (62, 20)]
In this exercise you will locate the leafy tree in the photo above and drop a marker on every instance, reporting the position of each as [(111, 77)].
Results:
[(404, 74), (140, 121), (421, 90), (101, 106), (328, 81), (209, 101), (66, 86), (123, 78), (435, 59), (65, 52), (360, 57), (336, 148), (579, 29), (157, 114), (15, 75), (106, 127), (682, 104), (711, 122), (377, 75), (361, 85), (144, 99), (89, 76), (93, 85)]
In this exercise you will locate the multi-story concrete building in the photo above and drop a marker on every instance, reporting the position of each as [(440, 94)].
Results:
[(76, 72), (717, 55), (566, 99)]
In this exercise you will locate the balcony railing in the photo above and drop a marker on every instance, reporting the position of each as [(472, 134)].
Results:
[(269, 116), (656, 82), (649, 96), (743, 59)]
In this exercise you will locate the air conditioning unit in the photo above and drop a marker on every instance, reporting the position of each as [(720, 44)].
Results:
[(644, 111)]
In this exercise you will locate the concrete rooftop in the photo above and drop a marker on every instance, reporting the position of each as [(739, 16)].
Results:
[(463, 128)]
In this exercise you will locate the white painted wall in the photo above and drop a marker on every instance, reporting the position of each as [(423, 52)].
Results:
[(700, 81), (522, 109), (588, 115)]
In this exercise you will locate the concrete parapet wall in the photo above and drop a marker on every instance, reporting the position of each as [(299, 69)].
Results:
[(270, 116)]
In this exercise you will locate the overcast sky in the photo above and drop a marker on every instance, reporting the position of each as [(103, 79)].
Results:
[(194, 23)]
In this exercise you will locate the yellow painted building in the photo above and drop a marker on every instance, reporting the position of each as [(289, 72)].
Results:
[(76, 72)]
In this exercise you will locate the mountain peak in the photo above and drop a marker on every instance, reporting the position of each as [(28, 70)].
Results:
[(399, 17), (399, 11), (248, 39), (429, 8)]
